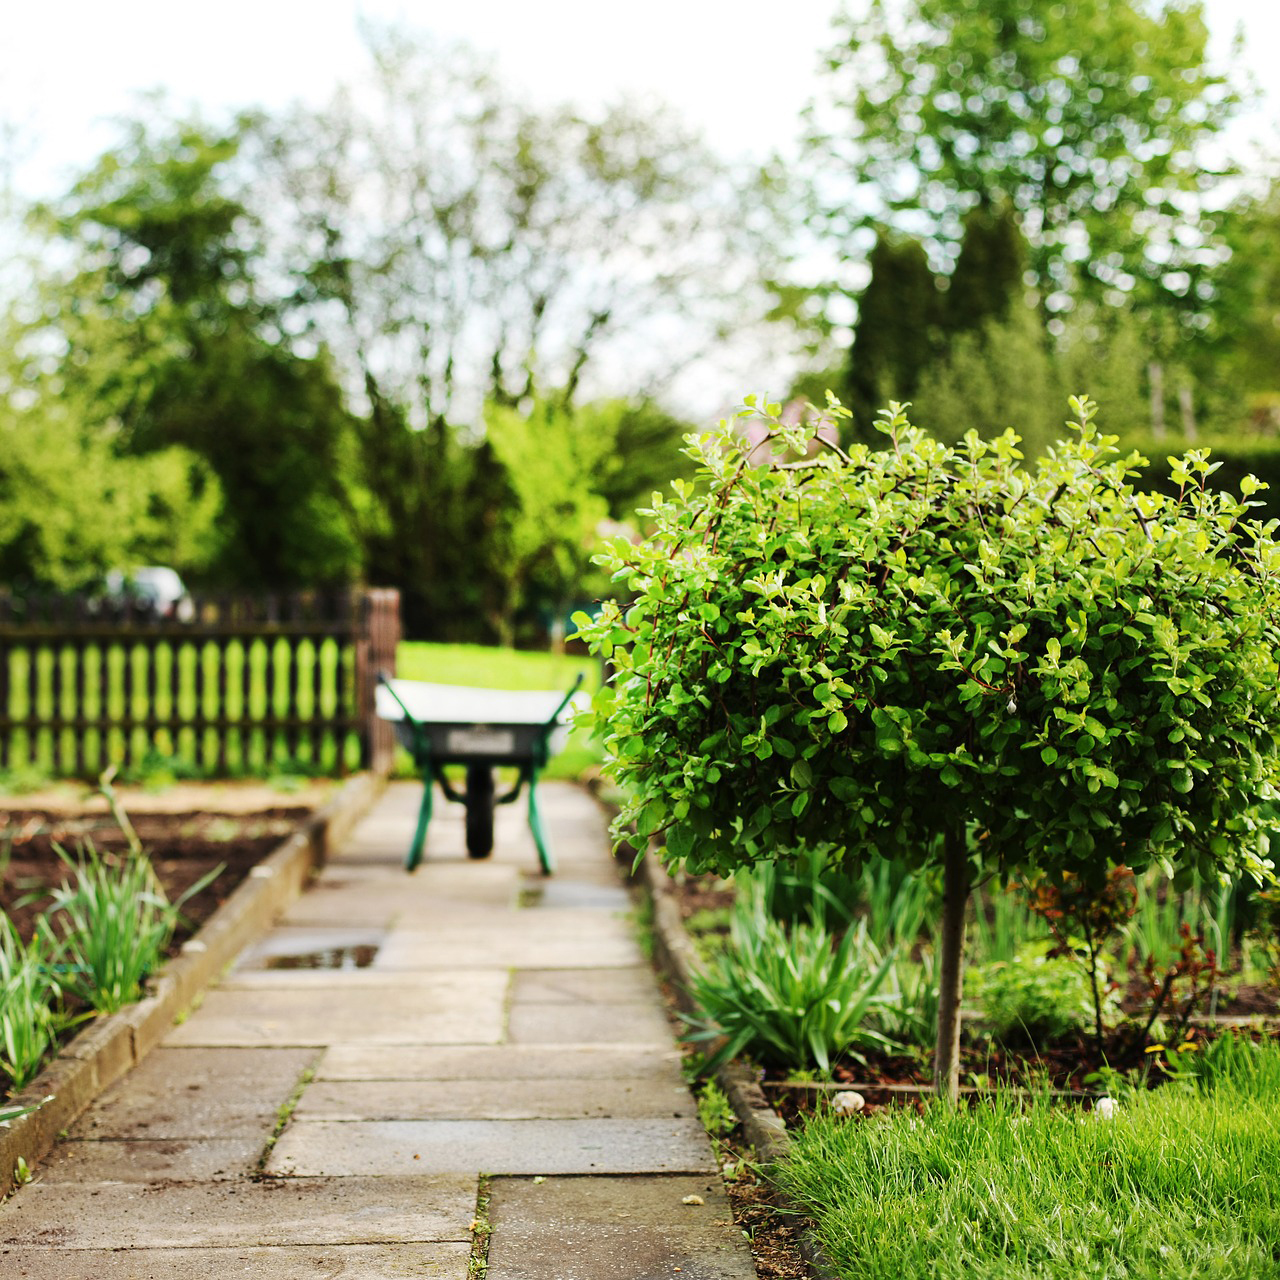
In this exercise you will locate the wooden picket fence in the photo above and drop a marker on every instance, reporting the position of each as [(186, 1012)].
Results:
[(233, 685)]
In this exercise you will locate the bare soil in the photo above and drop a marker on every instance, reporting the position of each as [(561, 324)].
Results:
[(188, 831)]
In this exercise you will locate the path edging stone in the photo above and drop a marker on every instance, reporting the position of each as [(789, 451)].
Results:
[(110, 1046)]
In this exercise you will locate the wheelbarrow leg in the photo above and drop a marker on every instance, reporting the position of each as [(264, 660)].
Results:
[(424, 817), (545, 859)]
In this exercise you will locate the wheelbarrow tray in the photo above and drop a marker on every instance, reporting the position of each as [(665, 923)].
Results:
[(462, 725), (481, 729)]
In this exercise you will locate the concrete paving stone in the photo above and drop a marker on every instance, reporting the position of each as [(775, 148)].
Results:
[(499, 950), (153, 1160), (333, 979), (428, 916), (575, 986), (294, 1211), (464, 1008), (496, 1062), (636, 1023), (380, 898), (557, 891), (506, 1099), (381, 1147), (324, 1262), (368, 908), (614, 1229), (191, 1093)]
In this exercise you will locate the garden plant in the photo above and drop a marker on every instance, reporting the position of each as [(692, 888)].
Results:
[(947, 657)]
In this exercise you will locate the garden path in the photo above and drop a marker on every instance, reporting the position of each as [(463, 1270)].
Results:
[(499, 1065)]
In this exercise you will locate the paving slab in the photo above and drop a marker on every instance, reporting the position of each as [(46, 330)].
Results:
[(561, 892), (191, 1093), (462, 1008), (583, 986), (452, 949), (614, 1229), (324, 1262), (503, 1099), (321, 1148), (496, 1062), (635, 1023), (153, 1160), (217, 1214), (346, 896)]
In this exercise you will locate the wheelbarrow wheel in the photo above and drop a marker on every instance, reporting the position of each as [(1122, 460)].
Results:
[(480, 801)]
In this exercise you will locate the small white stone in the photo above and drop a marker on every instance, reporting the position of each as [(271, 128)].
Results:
[(194, 944), (262, 873), (848, 1103), (1106, 1108)]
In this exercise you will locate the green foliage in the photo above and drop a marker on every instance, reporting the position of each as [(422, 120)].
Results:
[(1232, 1062), (883, 646), (797, 998), (1243, 341), (1093, 126), (1037, 997), (29, 1006), (1168, 1187), (715, 1111), (544, 535), (1001, 374), (899, 314), (72, 506), (988, 277), (109, 929), (1233, 456), (891, 650), (164, 341)]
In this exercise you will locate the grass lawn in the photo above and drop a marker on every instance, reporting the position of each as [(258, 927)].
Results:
[(484, 667), (1183, 1182)]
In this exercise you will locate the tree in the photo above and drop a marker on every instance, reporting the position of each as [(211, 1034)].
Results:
[(455, 245), (937, 655), (1242, 346), (543, 537), (72, 508), (165, 340), (987, 282), (1092, 122), (897, 334), (1001, 373)]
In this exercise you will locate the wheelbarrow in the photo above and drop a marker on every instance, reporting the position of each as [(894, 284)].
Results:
[(481, 730)]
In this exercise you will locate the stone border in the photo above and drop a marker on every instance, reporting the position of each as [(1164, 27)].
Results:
[(112, 1045), (677, 957)]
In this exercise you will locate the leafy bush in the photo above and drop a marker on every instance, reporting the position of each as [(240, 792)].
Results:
[(944, 656), (793, 998), (1036, 997)]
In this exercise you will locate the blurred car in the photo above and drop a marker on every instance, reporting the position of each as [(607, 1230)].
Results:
[(153, 589)]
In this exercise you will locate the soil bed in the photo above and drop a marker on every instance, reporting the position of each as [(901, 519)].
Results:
[(183, 846)]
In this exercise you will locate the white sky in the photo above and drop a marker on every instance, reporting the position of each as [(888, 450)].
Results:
[(739, 69)]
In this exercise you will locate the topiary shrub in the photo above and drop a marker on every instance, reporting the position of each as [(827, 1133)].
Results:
[(898, 650)]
